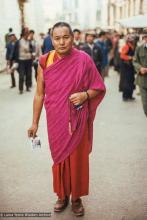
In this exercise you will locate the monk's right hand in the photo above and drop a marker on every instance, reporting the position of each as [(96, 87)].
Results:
[(32, 130)]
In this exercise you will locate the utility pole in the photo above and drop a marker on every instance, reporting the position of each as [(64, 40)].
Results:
[(108, 8), (22, 16)]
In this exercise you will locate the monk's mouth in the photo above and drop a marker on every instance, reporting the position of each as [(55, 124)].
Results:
[(62, 48)]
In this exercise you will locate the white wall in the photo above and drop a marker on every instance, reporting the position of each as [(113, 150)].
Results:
[(34, 15), (55, 10), (86, 13), (52, 12), (9, 17)]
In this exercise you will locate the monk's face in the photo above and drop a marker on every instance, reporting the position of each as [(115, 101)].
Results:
[(62, 40)]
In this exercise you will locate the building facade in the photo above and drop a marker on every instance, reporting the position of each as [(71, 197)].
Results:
[(81, 14), (120, 9)]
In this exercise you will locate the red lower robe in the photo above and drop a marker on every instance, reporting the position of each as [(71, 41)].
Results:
[(71, 176)]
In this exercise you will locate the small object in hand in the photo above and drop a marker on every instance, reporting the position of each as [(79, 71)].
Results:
[(14, 66), (78, 107), (35, 142)]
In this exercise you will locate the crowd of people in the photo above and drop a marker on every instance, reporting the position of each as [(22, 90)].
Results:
[(106, 48)]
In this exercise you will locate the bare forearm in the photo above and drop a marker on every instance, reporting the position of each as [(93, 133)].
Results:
[(37, 108)]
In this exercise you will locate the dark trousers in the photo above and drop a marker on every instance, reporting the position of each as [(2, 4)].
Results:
[(143, 92), (127, 93), (35, 65), (13, 83), (126, 79), (13, 79), (25, 74)]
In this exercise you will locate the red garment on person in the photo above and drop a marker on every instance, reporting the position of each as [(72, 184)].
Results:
[(71, 176)]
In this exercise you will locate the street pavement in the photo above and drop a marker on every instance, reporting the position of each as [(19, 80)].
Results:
[(118, 162)]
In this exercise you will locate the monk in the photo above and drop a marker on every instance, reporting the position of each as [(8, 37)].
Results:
[(71, 88)]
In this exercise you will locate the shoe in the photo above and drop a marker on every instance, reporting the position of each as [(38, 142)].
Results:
[(28, 90), (138, 93), (125, 99), (20, 92), (61, 204), (77, 207), (132, 99), (12, 87)]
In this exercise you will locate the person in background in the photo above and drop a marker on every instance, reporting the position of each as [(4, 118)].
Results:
[(41, 41), (33, 48), (127, 71), (7, 36), (10, 56), (31, 38), (71, 88), (36, 51), (109, 46), (140, 64), (77, 39), (116, 54), (93, 50), (47, 44), (102, 44), (23, 56), (108, 41)]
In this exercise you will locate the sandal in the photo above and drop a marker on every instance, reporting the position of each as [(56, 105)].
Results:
[(61, 204), (77, 207)]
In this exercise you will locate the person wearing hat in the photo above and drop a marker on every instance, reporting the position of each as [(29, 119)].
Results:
[(145, 30), (127, 76), (140, 64), (7, 40), (93, 50), (10, 56)]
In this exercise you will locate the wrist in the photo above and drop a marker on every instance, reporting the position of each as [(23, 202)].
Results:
[(86, 95), (35, 124)]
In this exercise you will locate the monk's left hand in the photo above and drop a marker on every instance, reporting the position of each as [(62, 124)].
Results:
[(78, 98)]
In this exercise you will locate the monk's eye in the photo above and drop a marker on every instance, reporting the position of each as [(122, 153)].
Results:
[(57, 38), (66, 37)]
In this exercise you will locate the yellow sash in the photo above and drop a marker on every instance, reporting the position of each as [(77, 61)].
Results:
[(50, 59)]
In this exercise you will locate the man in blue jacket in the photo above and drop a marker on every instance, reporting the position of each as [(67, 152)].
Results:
[(102, 44), (10, 56), (93, 50), (47, 44)]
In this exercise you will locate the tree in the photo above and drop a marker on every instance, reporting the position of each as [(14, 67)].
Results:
[(21, 7)]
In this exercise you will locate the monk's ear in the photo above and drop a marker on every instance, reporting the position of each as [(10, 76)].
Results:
[(72, 38), (52, 40)]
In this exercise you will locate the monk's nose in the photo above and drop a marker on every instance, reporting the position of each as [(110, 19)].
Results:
[(61, 41)]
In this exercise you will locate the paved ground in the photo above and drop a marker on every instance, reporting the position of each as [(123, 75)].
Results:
[(118, 177)]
